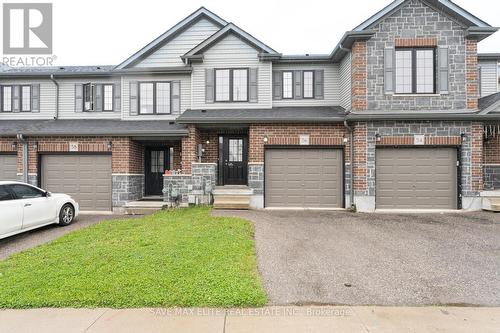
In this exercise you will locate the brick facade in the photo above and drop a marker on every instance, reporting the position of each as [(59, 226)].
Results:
[(491, 163), (471, 76), (189, 145), (358, 75), (289, 134)]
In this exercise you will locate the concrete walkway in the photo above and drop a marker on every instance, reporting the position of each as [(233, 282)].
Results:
[(268, 319)]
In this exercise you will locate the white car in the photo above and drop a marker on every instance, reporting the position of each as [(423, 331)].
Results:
[(25, 207)]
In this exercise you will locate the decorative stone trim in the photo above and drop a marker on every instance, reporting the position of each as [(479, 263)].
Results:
[(312, 141), (429, 140)]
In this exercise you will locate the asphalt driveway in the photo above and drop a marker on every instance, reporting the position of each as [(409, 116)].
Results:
[(341, 258), (27, 240)]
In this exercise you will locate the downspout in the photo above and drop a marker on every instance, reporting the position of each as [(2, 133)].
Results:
[(351, 161), (23, 141), (57, 95)]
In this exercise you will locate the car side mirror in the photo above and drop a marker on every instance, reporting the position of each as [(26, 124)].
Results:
[(48, 194)]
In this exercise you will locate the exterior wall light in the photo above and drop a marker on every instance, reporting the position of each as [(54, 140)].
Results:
[(378, 137), (35, 146), (14, 145), (464, 137), (110, 145), (265, 139)]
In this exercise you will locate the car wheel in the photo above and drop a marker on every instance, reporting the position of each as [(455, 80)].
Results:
[(66, 215)]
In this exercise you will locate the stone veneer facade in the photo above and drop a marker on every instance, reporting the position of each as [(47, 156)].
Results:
[(411, 25), (194, 188), (466, 135)]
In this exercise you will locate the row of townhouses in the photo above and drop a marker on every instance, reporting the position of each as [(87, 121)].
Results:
[(402, 114)]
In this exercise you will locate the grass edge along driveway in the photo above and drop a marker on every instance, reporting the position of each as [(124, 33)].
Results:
[(180, 257)]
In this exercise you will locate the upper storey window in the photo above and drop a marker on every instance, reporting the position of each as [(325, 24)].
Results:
[(231, 85), (6, 98), (415, 71), (308, 84), (287, 84), (155, 97), (98, 97)]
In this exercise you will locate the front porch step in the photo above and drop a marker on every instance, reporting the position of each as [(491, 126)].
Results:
[(491, 201), (232, 197), (143, 207)]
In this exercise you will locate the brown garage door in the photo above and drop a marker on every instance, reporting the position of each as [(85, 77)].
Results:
[(8, 167), (87, 178), (299, 177), (416, 178)]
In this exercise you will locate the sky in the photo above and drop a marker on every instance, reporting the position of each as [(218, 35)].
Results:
[(100, 32)]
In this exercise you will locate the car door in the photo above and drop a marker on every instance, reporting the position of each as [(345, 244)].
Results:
[(38, 209), (11, 212)]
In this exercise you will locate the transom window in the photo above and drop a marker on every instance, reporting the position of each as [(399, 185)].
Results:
[(7, 98), (25, 98), (415, 71), (108, 97), (231, 85), (308, 84), (235, 150), (287, 85), (155, 98)]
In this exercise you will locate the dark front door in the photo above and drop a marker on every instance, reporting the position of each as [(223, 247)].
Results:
[(156, 162), (234, 160)]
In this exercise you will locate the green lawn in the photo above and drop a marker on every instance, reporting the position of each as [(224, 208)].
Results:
[(181, 257)]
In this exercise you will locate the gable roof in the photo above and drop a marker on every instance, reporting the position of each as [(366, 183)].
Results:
[(161, 40), (489, 103), (447, 6), (228, 29)]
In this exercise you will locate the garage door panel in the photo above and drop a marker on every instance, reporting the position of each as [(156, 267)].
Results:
[(8, 167), (87, 178), (422, 178), (298, 177)]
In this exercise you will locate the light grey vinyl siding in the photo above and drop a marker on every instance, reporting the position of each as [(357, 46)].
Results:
[(231, 52), (185, 95), (169, 54), (47, 100), (67, 99), (489, 77), (345, 82), (331, 85)]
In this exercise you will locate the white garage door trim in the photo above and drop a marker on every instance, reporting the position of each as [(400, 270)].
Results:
[(336, 191), (90, 202)]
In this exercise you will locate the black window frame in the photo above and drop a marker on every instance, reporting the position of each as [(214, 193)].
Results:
[(154, 98), (104, 97), (283, 84), (11, 97), (91, 95), (231, 79), (21, 97), (414, 70), (304, 85)]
